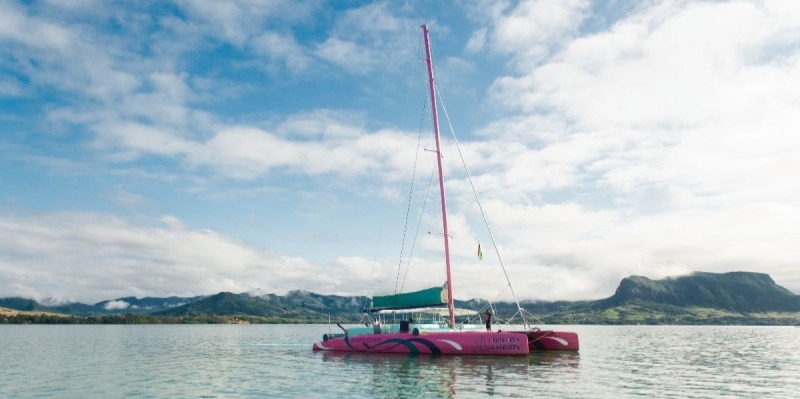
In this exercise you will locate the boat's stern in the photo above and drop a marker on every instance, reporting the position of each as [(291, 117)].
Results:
[(548, 340)]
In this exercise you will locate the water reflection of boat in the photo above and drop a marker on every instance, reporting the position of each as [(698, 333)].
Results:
[(393, 375), (538, 359)]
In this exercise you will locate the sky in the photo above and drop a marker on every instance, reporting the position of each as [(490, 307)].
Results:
[(192, 147)]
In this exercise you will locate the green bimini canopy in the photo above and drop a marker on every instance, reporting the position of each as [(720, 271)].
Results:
[(435, 296)]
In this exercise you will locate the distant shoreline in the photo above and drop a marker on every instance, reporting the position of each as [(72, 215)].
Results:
[(15, 317)]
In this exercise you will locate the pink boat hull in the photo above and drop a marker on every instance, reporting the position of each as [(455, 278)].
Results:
[(447, 343), (548, 340)]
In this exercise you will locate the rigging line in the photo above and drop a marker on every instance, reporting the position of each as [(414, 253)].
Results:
[(419, 224), (536, 319), (372, 271), (377, 246), (413, 178), (422, 123), (477, 199), (408, 211), (409, 68)]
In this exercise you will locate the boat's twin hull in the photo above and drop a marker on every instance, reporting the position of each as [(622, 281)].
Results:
[(547, 340), (448, 343)]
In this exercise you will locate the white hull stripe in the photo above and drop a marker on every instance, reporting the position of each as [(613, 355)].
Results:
[(453, 344), (322, 346), (561, 341)]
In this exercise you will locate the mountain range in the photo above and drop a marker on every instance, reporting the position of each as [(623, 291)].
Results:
[(699, 298), (109, 307)]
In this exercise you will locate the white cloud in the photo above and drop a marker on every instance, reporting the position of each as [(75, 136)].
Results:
[(530, 30), (116, 305), (477, 41), (321, 124), (283, 48), (665, 66), (92, 257), (55, 54), (35, 32), (311, 143), (236, 21), (347, 54), (138, 139), (248, 152), (371, 38)]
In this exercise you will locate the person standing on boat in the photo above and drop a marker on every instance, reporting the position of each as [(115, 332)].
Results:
[(488, 321)]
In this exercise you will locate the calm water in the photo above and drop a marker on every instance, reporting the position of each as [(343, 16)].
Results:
[(220, 361)]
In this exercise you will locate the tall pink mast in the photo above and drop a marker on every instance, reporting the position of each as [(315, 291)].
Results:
[(450, 305)]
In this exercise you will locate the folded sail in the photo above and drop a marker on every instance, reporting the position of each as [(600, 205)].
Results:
[(438, 311), (431, 297)]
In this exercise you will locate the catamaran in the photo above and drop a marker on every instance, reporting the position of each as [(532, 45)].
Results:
[(445, 337)]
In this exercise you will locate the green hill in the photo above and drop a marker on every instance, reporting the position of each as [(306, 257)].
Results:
[(700, 298), (128, 305), (736, 291), (297, 306)]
